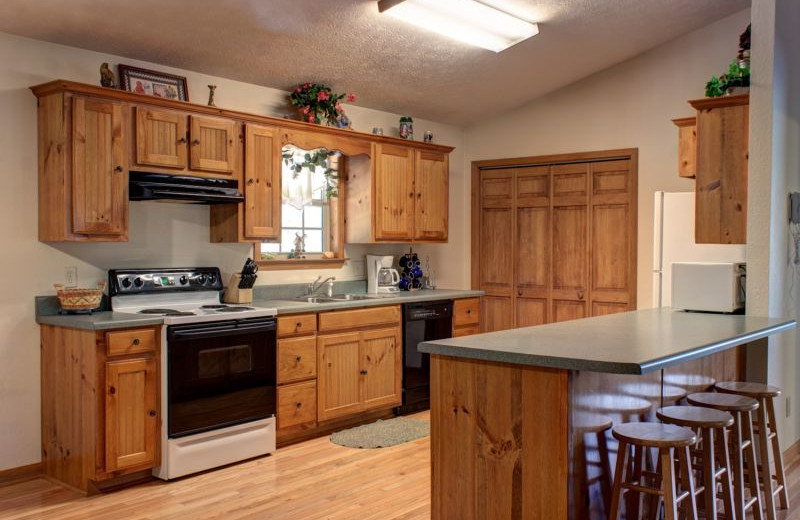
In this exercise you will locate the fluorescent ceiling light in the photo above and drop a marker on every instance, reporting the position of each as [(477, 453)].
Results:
[(468, 21)]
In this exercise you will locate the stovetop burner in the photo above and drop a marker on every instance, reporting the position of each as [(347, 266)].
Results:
[(234, 309), (166, 312), (213, 307)]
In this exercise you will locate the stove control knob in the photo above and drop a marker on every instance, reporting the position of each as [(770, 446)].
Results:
[(138, 282), (126, 283), (201, 279), (183, 280), (212, 279)]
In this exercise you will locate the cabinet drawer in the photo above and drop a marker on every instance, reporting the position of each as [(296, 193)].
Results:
[(466, 312), (466, 331), (297, 359), (342, 320), (297, 404), (134, 341), (297, 325)]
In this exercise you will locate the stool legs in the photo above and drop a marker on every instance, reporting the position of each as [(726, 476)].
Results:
[(744, 454), (605, 467), (687, 483), (763, 452), (776, 452), (727, 484), (623, 454)]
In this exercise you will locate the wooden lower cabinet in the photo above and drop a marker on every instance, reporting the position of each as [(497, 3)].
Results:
[(297, 373), (297, 404), (359, 370), (466, 317), (100, 404)]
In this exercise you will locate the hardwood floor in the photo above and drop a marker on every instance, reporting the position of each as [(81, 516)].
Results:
[(311, 480)]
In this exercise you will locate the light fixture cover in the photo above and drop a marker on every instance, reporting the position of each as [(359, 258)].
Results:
[(468, 21)]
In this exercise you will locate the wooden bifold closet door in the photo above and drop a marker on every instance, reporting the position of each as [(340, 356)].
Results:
[(554, 238)]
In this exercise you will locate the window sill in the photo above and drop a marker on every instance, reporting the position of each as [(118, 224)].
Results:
[(307, 263)]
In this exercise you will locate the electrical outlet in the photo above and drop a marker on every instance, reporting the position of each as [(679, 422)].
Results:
[(788, 408), (71, 276)]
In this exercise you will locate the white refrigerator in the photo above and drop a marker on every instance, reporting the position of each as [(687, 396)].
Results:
[(674, 242)]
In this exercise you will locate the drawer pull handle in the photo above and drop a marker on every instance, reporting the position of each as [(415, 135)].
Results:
[(151, 413), (135, 342), (112, 390), (298, 358)]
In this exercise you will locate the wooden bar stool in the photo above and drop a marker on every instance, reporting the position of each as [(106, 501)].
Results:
[(712, 428), (742, 448), (670, 440), (766, 431), (595, 425)]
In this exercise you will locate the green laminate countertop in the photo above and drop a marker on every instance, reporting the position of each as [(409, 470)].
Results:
[(635, 342)]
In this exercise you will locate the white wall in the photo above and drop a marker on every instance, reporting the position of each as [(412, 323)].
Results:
[(161, 234), (630, 105), (773, 280)]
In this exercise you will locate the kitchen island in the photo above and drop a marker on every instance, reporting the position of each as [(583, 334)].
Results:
[(512, 411)]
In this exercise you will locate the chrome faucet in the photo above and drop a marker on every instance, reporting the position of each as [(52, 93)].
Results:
[(316, 285)]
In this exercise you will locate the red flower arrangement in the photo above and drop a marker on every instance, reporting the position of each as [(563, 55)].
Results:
[(319, 104)]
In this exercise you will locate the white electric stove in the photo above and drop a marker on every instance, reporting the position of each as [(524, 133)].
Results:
[(218, 367)]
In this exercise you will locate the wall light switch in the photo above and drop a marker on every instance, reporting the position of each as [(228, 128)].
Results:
[(71, 276)]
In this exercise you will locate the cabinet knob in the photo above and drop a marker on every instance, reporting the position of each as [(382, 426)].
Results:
[(118, 168), (250, 182), (580, 295), (182, 140), (151, 413), (135, 342), (419, 195), (298, 358), (363, 372), (196, 141), (298, 405), (298, 325), (112, 390), (519, 293), (411, 194), (469, 311)]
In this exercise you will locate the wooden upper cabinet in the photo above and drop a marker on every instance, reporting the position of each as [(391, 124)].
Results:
[(161, 138), (721, 181), (131, 423), (99, 168), (262, 182), (213, 144), (394, 192), (431, 175), (687, 146)]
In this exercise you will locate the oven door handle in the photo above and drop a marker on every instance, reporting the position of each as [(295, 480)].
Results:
[(228, 330)]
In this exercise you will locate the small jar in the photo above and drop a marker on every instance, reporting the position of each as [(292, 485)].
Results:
[(406, 128)]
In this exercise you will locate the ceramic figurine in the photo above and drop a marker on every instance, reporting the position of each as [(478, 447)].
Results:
[(106, 76), (211, 89), (428, 138), (299, 246)]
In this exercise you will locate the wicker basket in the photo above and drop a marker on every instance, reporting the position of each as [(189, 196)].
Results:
[(80, 299)]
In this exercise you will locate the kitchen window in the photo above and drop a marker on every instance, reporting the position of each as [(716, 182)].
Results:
[(310, 211)]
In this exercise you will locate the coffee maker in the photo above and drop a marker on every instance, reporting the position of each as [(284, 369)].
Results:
[(381, 277)]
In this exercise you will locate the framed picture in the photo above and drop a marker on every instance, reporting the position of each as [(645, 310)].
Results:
[(153, 83)]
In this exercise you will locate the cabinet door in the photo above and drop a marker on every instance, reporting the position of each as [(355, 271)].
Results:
[(532, 258), (496, 249), (131, 413), (570, 255), (381, 367), (338, 378), (431, 174), (394, 193), (161, 138), (99, 169), (262, 182), (213, 144)]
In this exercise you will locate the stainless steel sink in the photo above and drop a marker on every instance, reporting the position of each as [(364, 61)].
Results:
[(338, 298)]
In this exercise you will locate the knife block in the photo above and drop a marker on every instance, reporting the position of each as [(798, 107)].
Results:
[(235, 295)]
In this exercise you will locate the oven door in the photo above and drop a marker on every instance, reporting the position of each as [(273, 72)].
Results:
[(220, 374)]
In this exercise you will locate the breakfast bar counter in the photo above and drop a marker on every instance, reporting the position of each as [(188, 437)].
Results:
[(512, 411)]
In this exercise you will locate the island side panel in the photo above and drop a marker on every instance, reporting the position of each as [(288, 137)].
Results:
[(499, 440)]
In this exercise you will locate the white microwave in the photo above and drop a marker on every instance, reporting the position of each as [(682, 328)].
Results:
[(708, 286)]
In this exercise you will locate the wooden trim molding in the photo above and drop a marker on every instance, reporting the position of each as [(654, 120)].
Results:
[(11, 475), (308, 263), (719, 102), (515, 162)]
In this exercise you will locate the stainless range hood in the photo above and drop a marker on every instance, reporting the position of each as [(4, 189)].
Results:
[(183, 188)]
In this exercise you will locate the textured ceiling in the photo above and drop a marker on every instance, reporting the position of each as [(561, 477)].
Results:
[(346, 43)]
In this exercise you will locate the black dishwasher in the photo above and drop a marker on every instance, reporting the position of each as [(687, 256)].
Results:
[(423, 321)]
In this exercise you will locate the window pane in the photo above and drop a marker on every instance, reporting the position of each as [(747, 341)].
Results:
[(287, 239), (313, 241), (270, 247), (292, 217), (313, 217)]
